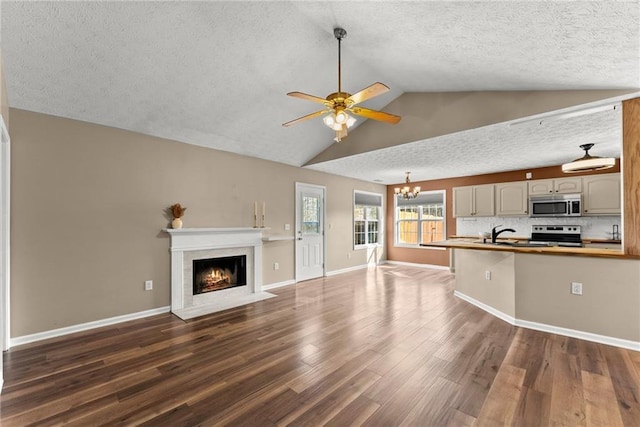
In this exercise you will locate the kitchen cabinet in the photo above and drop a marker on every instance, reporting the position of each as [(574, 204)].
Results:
[(512, 199), (475, 200), (601, 194), (555, 186)]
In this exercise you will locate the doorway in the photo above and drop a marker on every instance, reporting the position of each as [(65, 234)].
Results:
[(310, 239)]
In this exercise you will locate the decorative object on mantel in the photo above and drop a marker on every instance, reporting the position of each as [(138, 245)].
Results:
[(255, 214), (588, 163), (406, 192), (177, 211)]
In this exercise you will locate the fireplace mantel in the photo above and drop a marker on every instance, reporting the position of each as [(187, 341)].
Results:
[(208, 238), (188, 244)]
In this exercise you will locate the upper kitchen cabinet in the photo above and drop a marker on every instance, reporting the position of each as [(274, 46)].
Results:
[(601, 194), (555, 186), (512, 199), (475, 200)]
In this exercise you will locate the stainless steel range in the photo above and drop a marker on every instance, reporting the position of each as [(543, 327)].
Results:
[(556, 235)]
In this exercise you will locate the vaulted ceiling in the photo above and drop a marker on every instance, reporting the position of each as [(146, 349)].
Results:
[(216, 73)]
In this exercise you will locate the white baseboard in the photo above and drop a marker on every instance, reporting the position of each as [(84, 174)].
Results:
[(587, 336), (278, 285), (26, 339), (346, 270), (499, 314), (413, 264)]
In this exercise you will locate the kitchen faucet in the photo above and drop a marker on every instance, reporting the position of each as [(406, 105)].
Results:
[(495, 234)]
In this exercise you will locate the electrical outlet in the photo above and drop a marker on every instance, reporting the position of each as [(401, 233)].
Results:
[(348, 255), (576, 288), (148, 285), (276, 266), (287, 227), (528, 175), (487, 275)]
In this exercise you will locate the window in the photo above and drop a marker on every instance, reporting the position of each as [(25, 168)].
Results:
[(367, 219), (420, 220)]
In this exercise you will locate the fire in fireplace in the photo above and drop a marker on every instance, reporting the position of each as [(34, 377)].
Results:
[(215, 274)]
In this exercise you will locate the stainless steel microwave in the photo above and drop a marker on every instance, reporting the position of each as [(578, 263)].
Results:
[(555, 205)]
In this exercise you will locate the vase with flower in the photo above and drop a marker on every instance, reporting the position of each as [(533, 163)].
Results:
[(177, 211)]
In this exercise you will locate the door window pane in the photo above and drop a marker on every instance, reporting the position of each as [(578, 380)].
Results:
[(310, 215)]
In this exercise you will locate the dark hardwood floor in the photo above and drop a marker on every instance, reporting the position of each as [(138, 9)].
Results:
[(381, 347)]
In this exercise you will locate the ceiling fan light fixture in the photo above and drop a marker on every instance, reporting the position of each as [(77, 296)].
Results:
[(341, 117), (329, 120), (351, 121), (588, 163)]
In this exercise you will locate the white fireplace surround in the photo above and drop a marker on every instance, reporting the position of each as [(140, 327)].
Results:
[(188, 244)]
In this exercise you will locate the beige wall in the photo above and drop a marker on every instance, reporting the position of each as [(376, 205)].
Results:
[(87, 213), (498, 292), (4, 101), (609, 304)]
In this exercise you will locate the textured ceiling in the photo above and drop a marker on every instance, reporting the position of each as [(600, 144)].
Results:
[(495, 148), (216, 73)]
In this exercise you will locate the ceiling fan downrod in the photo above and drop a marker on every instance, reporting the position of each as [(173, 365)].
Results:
[(339, 34)]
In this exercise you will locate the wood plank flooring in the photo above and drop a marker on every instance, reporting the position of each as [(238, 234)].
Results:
[(387, 346)]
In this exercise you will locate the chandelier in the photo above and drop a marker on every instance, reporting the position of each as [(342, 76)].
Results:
[(339, 121), (588, 162), (406, 192)]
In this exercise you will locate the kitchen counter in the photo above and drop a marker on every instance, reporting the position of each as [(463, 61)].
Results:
[(503, 245)]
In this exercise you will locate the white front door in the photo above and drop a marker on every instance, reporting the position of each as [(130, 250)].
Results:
[(309, 231)]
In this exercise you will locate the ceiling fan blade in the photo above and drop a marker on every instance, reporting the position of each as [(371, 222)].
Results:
[(303, 118), (310, 98), (376, 115), (367, 93)]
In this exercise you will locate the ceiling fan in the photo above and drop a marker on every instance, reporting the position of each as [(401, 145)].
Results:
[(339, 104)]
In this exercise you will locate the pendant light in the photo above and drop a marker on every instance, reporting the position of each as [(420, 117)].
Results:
[(588, 163)]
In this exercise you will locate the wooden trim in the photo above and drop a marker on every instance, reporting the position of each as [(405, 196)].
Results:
[(631, 176)]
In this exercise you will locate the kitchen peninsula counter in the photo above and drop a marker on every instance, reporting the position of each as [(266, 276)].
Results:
[(533, 287), (504, 246)]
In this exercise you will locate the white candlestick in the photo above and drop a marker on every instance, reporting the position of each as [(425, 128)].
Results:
[(255, 214)]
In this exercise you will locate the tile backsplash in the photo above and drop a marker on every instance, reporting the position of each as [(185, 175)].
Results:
[(593, 227)]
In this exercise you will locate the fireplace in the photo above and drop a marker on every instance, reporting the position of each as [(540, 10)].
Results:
[(190, 246), (216, 274)]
